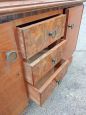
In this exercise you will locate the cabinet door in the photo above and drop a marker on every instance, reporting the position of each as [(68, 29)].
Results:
[(74, 20), (13, 97)]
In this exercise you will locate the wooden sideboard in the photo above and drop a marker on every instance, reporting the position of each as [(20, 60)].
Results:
[(37, 41)]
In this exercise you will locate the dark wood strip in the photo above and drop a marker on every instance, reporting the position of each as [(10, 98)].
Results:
[(11, 17)]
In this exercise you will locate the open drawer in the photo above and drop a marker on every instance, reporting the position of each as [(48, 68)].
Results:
[(36, 36), (44, 88), (42, 63)]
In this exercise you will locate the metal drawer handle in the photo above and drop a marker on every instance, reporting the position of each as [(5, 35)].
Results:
[(54, 61), (52, 34), (71, 26), (11, 56), (59, 81)]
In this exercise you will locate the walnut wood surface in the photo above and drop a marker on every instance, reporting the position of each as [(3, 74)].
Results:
[(13, 96), (36, 37), (43, 64), (39, 95), (19, 6), (72, 33), (12, 86)]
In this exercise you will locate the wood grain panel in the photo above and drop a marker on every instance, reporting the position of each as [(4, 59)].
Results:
[(22, 6), (40, 96), (7, 37), (36, 37), (36, 69), (56, 27), (72, 30), (13, 96)]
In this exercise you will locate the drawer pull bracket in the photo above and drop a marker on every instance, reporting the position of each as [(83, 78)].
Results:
[(59, 81), (11, 56), (71, 26), (54, 61), (52, 34)]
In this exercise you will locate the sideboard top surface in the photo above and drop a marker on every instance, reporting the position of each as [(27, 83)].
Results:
[(18, 6)]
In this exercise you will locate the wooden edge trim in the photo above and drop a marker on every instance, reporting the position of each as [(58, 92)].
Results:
[(29, 7)]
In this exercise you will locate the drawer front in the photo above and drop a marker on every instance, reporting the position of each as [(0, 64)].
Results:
[(36, 37), (55, 28), (40, 94), (44, 63), (32, 39)]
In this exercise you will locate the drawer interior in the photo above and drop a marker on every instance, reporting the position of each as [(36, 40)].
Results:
[(49, 75), (37, 21), (40, 55), (40, 83)]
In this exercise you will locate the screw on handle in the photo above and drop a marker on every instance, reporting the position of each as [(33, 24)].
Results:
[(11, 56), (71, 26), (54, 61), (59, 81), (52, 34)]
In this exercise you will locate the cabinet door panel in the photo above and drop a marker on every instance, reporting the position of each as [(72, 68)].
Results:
[(74, 20), (13, 97)]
